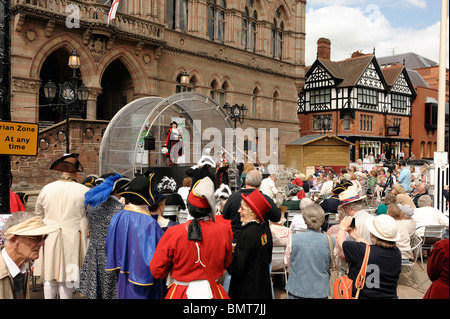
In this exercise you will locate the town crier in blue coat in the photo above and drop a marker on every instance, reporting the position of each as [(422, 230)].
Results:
[(131, 240)]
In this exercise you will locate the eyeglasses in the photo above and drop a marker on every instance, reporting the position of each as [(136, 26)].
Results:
[(36, 239)]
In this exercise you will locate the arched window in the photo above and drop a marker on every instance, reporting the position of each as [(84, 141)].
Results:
[(249, 27), (277, 35), (255, 101), (216, 20), (217, 93), (275, 99), (177, 14)]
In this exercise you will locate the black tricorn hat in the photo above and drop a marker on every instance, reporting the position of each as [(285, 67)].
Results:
[(69, 163), (139, 190), (173, 122)]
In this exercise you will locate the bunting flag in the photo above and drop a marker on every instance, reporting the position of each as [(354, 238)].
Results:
[(113, 10)]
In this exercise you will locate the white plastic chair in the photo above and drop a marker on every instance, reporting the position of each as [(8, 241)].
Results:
[(431, 235), (278, 256), (416, 244)]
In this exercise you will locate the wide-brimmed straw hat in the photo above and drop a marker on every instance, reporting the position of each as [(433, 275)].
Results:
[(349, 196), (68, 163), (384, 227), (33, 226)]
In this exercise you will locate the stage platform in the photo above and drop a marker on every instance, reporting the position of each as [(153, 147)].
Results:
[(178, 173)]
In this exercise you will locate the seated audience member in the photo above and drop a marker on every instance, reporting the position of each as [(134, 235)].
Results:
[(426, 215), (402, 197), (404, 241), (298, 223), (372, 182), (327, 186), (330, 205), (280, 237), (353, 205), (389, 199), (422, 189), (409, 222), (384, 255)]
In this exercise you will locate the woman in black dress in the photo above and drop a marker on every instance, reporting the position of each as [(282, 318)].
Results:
[(249, 268)]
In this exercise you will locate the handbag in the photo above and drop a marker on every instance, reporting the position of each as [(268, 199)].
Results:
[(334, 271), (342, 288)]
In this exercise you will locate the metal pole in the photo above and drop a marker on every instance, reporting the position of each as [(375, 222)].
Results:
[(67, 129), (5, 99), (442, 71)]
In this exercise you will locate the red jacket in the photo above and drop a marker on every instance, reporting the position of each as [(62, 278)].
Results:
[(15, 203), (178, 255), (437, 269)]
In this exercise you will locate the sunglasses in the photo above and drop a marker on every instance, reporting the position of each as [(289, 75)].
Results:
[(36, 239)]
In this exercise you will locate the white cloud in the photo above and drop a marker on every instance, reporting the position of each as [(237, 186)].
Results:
[(422, 4), (350, 29)]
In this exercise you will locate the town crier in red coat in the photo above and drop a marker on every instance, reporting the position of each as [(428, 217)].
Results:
[(196, 253), (174, 143)]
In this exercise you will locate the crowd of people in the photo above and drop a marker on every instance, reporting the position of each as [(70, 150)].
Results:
[(112, 237)]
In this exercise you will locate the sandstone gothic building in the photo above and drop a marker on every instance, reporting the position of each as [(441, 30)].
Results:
[(247, 52)]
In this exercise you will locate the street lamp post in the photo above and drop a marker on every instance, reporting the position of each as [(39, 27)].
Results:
[(237, 113), (184, 80), (72, 95)]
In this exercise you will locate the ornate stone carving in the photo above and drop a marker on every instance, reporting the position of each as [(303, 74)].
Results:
[(19, 21), (86, 37), (25, 85), (138, 48), (49, 28), (30, 35)]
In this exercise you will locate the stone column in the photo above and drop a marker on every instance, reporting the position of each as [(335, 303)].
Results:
[(91, 105)]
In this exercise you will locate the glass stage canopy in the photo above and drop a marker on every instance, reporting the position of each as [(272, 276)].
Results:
[(204, 125)]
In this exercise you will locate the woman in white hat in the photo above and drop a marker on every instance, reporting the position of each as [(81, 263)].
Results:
[(384, 264)]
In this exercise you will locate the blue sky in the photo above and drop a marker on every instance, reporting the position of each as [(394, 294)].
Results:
[(389, 26)]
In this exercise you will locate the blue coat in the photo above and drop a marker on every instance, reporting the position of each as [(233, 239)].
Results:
[(131, 241)]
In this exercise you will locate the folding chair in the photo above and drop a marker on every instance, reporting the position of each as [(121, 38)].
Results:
[(431, 235), (416, 244), (332, 219), (291, 214), (277, 258)]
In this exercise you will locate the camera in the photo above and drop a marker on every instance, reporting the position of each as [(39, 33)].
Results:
[(352, 225)]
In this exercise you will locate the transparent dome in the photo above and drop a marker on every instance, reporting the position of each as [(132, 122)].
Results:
[(204, 125)]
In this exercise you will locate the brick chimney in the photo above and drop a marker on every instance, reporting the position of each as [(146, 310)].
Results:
[(324, 49), (357, 53)]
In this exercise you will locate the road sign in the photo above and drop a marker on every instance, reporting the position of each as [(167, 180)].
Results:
[(18, 138)]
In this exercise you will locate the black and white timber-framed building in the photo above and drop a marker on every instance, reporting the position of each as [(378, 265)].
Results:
[(367, 105)]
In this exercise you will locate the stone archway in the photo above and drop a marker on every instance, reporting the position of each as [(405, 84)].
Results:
[(117, 90)]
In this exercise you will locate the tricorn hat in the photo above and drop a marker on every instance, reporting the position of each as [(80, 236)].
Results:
[(69, 163), (139, 190), (257, 203), (173, 122)]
